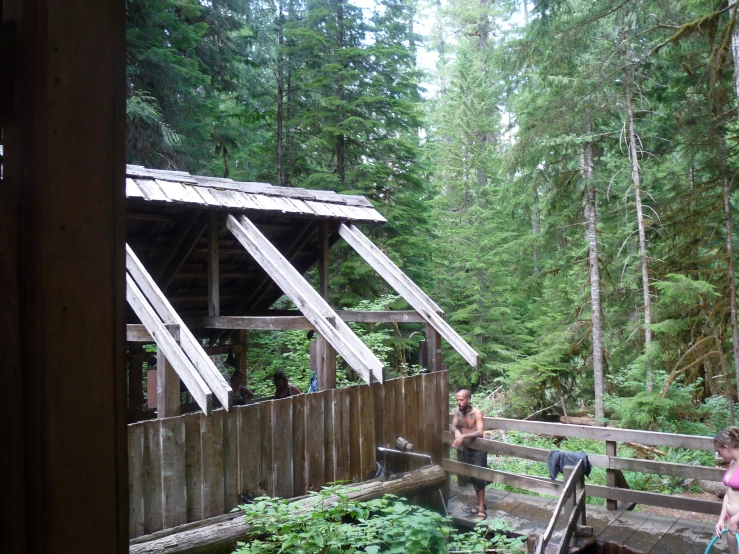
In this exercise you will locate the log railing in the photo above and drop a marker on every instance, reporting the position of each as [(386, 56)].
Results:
[(615, 489), (570, 508)]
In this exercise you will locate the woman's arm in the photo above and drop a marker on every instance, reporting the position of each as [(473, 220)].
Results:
[(721, 523)]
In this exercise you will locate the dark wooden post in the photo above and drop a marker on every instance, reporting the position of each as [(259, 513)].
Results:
[(324, 352), (611, 477), (214, 300), (135, 377), (62, 281), (241, 363), (433, 349)]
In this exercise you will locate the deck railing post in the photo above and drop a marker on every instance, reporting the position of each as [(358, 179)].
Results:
[(611, 478)]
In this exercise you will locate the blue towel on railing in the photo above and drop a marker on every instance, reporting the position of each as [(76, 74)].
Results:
[(558, 460)]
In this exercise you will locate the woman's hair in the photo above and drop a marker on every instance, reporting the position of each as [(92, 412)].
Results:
[(727, 437)]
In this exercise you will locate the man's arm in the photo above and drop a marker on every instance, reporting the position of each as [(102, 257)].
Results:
[(455, 424), (294, 390), (479, 424)]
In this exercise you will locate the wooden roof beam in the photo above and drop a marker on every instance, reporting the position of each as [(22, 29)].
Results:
[(181, 247), (308, 301), (169, 347), (407, 289), (189, 344)]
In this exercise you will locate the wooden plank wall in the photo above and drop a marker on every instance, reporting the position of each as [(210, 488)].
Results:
[(188, 468)]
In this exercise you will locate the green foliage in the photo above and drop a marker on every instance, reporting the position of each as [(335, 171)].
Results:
[(383, 525)]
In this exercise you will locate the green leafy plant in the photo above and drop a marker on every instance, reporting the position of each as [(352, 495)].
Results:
[(384, 525)]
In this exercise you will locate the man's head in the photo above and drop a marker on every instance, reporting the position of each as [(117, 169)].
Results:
[(464, 398), (280, 379)]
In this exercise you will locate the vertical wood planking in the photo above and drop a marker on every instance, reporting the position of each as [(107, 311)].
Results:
[(231, 488), (412, 415), (351, 404), (211, 463), (436, 418), (342, 432), (366, 413), (391, 387), (174, 472), (330, 414), (250, 450), (135, 381), (152, 478), (266, 420), (299, 454), (135, 480), (400, 411), (315, 440), (378, 396), (193, 474), (283, 447)]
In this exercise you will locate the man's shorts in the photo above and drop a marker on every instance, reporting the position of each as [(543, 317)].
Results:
[(477, 458)]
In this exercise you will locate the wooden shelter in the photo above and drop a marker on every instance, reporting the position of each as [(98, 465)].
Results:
[(208, 256)]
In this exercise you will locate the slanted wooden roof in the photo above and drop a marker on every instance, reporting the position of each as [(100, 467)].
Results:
[(166, 220), (179, 187)]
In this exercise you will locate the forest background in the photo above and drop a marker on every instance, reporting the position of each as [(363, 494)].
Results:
[(561, 182)]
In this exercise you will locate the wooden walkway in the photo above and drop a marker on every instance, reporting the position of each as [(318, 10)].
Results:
[(638, 532)]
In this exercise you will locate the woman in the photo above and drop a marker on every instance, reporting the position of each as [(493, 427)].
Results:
[(726, 443)]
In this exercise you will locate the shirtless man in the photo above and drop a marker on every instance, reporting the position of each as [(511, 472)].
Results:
[(467, 425), (283, 388)]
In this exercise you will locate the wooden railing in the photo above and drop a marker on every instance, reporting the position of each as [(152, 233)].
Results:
[(570, 508), (614, 490)]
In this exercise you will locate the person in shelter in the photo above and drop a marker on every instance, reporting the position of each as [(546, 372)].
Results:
[(283, 389), (467, 425), (726, 443), (241, 392)]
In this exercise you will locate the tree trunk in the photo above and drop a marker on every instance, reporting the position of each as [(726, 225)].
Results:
[(341, 139), (536, 226), (636, 177), (730, 263), (586, 165), (280, 91), (224, 531)]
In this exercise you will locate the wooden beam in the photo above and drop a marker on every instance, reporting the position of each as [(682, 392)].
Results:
[(599, 460), (168, 388), (214, 302), (323, 259), (433, 348), (166, 343), (291, 251), (177, 256), (325, 354), (190, 345), (357, 355), (650, 438), (283, 323), (407, 289), (138, 333), (300, 322)]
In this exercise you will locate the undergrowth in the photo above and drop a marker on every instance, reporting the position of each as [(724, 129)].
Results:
[(337, 524)]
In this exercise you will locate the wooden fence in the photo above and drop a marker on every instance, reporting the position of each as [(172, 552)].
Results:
[(616, 488), (192, 467)]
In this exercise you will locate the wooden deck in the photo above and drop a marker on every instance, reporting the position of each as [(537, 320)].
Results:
[(638, 532)]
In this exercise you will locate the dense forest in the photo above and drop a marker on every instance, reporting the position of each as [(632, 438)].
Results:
[(561, 182)]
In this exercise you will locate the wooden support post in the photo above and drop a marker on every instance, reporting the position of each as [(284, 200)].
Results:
[(323, 260), (241, 364), (325, 354), (135, 377), (168, 388), (326, 360), (611, 478), (433, 349), (214, 302)]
